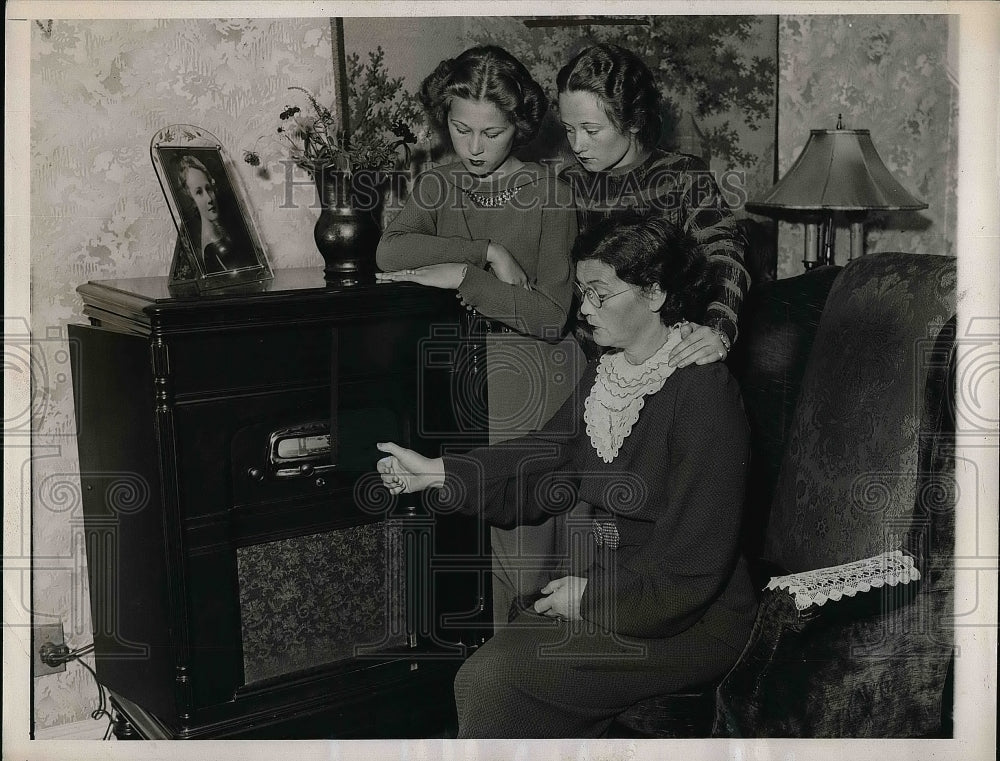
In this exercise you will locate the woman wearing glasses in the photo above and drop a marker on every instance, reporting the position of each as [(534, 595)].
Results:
[(609, 106), (659, 598)]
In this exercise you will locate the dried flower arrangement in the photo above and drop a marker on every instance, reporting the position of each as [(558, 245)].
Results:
[(382, 119)]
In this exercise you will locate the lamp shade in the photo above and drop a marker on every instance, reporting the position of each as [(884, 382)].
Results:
[(838, 170)]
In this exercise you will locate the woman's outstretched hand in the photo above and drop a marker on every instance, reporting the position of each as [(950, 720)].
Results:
[(699, 345), (407, 471), (562, 600), (445, 276)]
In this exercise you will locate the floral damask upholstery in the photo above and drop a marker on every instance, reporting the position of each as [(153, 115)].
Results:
[(778, 325), (867, 469), (848, 481)]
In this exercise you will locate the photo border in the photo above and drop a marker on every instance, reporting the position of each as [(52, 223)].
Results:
[(187, 269), (978, 225)]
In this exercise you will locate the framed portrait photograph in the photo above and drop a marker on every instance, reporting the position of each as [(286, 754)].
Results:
[(218, 244)]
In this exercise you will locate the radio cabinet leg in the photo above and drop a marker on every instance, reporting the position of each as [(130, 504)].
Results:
[(123, 728)]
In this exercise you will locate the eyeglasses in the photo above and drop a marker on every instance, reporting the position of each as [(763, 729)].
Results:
[(596, 299)]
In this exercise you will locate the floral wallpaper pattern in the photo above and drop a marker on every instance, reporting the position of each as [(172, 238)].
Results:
[(717, 70), (99, 89), (886, 74)]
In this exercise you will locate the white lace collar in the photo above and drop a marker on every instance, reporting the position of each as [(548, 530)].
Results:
[(618, 395)]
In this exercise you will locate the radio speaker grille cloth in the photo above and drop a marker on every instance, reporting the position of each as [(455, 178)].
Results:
[(321, 598)]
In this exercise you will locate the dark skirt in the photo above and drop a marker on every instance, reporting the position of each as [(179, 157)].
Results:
[(542, 678)]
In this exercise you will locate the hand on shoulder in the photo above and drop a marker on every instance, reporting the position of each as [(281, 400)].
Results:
[(700, 345)]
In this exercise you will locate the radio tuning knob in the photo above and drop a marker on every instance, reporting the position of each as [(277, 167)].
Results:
[(306, 469), (256, 474)]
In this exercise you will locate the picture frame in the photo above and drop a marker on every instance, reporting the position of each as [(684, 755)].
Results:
[(218, 243)]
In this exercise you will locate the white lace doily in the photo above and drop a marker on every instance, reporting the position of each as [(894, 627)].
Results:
[(822, 584), (618, 395)]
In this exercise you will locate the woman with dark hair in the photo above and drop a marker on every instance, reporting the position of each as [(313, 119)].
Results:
[(497, 231), (609, 106), (659, 598)]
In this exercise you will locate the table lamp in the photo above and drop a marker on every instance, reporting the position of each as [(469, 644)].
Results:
[(838, 171)]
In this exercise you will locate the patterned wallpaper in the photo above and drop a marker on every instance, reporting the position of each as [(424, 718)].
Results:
[(887, 74), (717, 70), (100, 89)]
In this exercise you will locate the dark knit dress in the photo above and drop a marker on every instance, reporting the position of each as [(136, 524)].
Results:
[(668, 602), (682, 189)]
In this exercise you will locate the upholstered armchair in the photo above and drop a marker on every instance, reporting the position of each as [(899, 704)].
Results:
[(847, 382), (864, 648)]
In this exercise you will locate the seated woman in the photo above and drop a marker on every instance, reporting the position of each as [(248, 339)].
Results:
[(658, 599)]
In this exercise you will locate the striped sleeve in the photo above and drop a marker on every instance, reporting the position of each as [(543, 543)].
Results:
[(709, 220)]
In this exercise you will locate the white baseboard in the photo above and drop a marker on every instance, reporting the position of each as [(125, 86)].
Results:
[(88, 729)]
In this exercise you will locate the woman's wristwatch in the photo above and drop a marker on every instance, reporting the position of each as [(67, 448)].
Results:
[(726, 343)]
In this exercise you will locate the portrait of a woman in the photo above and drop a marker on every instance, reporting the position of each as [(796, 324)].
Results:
[(217, 233)]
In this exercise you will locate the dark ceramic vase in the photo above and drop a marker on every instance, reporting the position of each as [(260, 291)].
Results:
[(347, 231)]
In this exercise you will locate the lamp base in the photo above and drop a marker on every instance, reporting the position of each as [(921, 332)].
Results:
[(811, 253), (857, 238)]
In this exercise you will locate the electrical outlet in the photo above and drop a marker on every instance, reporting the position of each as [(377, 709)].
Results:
[(42, 634)]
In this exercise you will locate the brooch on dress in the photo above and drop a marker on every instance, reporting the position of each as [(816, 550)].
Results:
[(606, 533)]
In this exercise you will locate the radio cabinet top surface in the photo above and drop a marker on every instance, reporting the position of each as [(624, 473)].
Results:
[(150, 304)]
